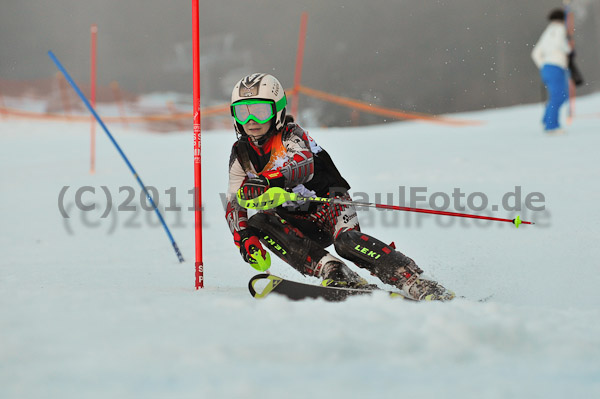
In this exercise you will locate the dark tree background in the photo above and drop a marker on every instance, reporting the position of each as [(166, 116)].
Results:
[(432, 56)]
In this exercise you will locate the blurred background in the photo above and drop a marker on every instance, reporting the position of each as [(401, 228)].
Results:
[(426, 56)]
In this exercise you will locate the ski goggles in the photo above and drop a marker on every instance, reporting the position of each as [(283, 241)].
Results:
[(260, 111)]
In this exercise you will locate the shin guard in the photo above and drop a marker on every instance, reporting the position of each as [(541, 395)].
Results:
[(390, 266)]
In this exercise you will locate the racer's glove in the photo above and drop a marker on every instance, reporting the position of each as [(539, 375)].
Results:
[(257, 186), (252, 250)]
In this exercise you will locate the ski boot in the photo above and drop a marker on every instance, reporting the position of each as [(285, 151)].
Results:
[(337, 274), (408, 278), (421, 289)]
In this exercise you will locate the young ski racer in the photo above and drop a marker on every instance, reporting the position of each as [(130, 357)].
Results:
[(273, 151)]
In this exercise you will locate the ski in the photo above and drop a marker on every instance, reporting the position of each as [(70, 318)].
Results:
[(298, 291)]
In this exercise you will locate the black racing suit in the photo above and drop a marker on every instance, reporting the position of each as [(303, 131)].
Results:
[(299, 234)]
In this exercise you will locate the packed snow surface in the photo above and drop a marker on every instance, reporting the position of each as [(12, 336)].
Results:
[(96, 305)]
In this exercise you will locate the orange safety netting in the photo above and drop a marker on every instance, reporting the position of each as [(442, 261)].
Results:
[(377, 110), (219, 110)]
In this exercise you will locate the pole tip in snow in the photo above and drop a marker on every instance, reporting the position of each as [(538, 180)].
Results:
[(178, 252)]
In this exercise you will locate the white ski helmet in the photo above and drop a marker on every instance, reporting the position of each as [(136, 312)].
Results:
[(260, 86)]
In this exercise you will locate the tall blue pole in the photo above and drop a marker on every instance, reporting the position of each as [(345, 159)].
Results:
[(110, 136)]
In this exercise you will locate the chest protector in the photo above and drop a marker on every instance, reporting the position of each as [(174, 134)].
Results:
[(326, 178)]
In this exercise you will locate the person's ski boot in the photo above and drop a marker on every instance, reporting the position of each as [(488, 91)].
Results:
[(421, 289), (337, 274)]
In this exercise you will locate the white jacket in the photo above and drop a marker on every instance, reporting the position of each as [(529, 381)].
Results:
[(552, 47)]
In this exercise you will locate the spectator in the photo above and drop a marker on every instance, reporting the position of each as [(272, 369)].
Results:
[(551, 56)]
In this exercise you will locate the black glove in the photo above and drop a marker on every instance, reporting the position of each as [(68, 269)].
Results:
[(257, 186)]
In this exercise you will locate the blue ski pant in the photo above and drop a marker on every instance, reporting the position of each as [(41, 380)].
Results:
[(556, 82)]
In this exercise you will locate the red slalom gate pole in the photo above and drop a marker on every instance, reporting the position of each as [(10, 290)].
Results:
[(299, 62), (197, 146), (93, 32)]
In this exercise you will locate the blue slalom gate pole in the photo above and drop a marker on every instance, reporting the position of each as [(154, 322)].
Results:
[(110, 136)]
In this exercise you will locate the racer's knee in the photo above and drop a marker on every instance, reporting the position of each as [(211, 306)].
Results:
[(371, 253), (287, 242)]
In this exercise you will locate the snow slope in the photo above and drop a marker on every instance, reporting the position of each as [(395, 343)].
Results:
[(99, 307)]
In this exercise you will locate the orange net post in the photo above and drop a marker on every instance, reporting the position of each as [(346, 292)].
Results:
[(116, 90)]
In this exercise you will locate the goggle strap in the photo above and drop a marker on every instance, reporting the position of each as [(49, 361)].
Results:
[(279, 105)]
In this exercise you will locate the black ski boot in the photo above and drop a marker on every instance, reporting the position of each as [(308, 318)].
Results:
[(336, 273)]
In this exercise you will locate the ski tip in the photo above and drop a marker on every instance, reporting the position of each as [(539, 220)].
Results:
[(271, 283)]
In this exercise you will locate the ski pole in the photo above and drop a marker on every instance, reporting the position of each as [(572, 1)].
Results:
[(570, 27), (276, 196), (110, 136)]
